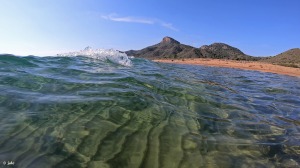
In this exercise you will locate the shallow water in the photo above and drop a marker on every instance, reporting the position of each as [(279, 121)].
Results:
[(82, 112)]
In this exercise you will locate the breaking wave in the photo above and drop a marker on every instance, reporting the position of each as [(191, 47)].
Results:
[(112, 55)]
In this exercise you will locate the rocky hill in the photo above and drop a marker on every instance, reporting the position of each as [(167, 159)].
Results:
[(224, 51), (167, 48), (170, 48), (289, 58)]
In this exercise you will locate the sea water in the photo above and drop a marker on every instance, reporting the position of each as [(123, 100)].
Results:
[(108, 110)]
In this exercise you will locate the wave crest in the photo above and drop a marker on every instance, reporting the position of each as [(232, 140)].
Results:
[(112, 55)]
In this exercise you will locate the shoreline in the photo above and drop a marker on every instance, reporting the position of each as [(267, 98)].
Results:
[(246, 65)]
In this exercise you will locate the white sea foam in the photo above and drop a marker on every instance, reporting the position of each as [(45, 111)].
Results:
[(112, 55)]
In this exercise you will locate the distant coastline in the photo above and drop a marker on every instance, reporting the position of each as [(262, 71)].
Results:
[(170, 50), (246, 65)]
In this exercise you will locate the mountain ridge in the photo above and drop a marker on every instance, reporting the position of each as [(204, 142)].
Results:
[(170, 48)]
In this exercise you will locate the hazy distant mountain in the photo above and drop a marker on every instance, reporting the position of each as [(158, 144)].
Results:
[(170, 48), (167, 48), (287, 58)]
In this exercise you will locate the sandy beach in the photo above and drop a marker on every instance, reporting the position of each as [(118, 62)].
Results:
[(248, 65)]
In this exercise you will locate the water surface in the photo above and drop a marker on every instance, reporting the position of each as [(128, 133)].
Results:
[(84, 112)]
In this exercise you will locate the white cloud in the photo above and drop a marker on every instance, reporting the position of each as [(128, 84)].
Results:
[(114, 17)]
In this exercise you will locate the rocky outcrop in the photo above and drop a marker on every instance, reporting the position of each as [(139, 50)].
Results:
[(169, 40)]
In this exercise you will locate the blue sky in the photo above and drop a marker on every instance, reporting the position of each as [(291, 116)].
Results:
[(48, 27)]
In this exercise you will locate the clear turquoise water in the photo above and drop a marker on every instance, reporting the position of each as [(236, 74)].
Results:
[(81, 112)]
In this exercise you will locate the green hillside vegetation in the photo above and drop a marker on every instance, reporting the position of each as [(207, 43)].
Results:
[(225, 51), (290, 58)]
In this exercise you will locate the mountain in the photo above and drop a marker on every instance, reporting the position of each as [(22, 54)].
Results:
[(170, 48), (167, 48), (224, 51), (288, 58)]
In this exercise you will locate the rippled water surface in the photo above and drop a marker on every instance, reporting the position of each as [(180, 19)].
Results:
[(82, 112)]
